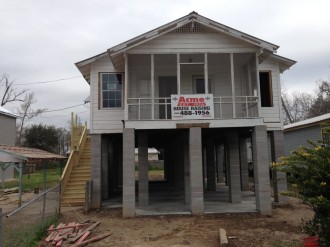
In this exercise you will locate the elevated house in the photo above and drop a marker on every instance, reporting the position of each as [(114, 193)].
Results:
[(297, 134), (198, 90)]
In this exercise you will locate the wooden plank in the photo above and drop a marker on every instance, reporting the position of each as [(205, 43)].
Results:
[(92, 240), (83, 237), (223, 237), (92, 227)]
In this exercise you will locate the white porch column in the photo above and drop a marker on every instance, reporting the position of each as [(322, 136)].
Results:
[(206, 74), (125, 88), (232, 77), (152, 86), (178, 75)]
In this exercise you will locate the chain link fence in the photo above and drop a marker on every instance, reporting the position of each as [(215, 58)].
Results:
[(20, 227)]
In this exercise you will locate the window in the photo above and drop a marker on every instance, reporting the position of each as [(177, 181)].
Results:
[(199, 87), (112, 88), (266, 89)]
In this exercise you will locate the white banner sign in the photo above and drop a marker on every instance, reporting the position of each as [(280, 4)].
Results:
[(192, 106)]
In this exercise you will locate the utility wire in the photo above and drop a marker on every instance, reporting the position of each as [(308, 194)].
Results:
[(40, 82)]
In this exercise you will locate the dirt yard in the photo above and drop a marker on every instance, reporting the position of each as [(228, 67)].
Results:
[(280, 229)]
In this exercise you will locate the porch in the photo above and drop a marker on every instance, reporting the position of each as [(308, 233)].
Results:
[(231, 79)]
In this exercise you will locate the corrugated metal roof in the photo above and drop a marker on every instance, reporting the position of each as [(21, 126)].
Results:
[(29, 154), (307, 122)]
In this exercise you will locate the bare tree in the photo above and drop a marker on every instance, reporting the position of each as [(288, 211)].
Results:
[(26, 113), (321, 104), (10, 93)]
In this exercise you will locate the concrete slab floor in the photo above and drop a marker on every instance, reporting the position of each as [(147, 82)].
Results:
[(168, 202)]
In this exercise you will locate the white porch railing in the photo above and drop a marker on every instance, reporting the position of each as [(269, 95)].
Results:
[(225, 107)]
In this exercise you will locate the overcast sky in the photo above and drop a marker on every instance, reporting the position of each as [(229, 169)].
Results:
[(40, 40)]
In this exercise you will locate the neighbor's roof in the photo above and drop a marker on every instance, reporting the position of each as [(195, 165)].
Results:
[(308, 122), (28, 154), (7, 112), (192, 18)]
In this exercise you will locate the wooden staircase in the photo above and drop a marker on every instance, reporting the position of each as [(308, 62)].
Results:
[(74, 193)]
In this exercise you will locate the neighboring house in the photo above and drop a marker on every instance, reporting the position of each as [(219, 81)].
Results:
[(297, 134), (152, 154), (200, 91), (7, 136)]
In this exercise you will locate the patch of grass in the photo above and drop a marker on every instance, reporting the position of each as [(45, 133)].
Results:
[(29, 235), (31, 181)]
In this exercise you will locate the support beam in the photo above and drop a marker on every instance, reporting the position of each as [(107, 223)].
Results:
[(210, 163), (105, 151), (261, 169), (96, 155), (206, 74), (234, 182), (187, 190), (232, 79), (178, 75), (143, 169), (196, 178), (220, 160), (244, 164), (152, 86), (128, 173), (279, 178), (125, 88)]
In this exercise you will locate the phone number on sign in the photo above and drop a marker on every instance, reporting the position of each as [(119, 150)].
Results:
[(194, 113)]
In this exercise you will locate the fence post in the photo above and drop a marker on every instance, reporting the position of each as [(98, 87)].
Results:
[(1, 229)]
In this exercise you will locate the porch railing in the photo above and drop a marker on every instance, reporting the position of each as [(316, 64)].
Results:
[(78, 139), (225, 107)]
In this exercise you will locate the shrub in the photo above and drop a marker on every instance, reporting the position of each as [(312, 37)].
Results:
[(308, 171)]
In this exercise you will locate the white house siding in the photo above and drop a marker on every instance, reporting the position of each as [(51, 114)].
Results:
[(272, 115), (7, 130), (206, 42), (293, 139), (103, 120)]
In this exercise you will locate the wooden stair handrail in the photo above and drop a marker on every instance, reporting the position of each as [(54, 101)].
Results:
[(75, 153)]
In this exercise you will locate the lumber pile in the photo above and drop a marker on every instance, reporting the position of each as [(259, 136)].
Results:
[(73, 234)]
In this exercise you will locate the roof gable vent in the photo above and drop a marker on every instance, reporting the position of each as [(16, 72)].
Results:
[(194, 27)]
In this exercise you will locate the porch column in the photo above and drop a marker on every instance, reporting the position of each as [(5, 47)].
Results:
[(244, 164), (279, 178), (234, 182), (143, 169), (206, 74), (261, 169), (178, 73), (126, 88), (196, 172), (210, 163), (232, 77), (128, 173), (152, 87), (220, 160), (96, 169)]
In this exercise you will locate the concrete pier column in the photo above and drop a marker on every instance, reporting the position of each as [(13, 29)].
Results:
[(128, 173), (279, 178), (96, 169), (233, 166), (186, 169), (105, 145), (210, 162), (220, 160), (261, 169), (244, 164), (196, 170), (143, 169)]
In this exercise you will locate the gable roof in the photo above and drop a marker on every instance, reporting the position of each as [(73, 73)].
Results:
[(6, 112), (266, 48), (308, 122)]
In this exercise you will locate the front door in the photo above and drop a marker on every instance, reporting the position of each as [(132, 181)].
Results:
[(167, 86)]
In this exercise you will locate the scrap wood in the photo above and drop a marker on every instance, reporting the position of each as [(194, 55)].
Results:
[(56, 239), (51, 236), (59, 243), (69, 226), (51, 227), (223, 237), (92, 227), (92, 240), (69, 229), (83, 237)]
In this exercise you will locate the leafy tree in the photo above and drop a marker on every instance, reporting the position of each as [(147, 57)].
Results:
[(41, 136), (309, 173)]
